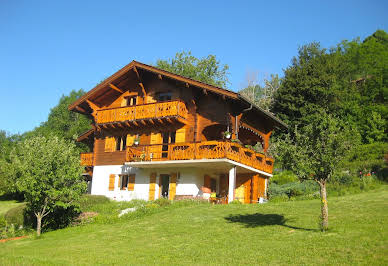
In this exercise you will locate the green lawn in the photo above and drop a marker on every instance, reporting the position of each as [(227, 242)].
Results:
[(5, 205), (273, 233)]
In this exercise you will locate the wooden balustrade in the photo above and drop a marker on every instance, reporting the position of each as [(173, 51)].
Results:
[(201, 150), (87, 159), (144, 111)]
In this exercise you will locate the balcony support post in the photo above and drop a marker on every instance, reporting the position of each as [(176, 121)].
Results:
[(232, 183)]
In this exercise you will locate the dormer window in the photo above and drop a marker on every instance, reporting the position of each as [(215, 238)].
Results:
[(164, 96), (130, 101)]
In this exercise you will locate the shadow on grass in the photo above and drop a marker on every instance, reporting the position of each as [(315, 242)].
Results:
[(259, 219)]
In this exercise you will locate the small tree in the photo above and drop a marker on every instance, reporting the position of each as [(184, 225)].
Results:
[(315, 152), (207, 69), (47, 171)]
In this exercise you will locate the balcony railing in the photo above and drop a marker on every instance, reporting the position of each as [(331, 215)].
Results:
[(87, 159), (201, 150), (144, 111)]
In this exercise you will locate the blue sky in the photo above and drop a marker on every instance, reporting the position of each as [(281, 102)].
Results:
[(49, 48)]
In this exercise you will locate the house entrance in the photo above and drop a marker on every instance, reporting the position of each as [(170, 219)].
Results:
[(165, 185)]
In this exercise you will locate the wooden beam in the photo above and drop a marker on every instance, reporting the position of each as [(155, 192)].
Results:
[(105, 126), (115, 88), (143, 122), (137, 73), (135, 123), (181, 120), (187, 85), (169, 120), (120, 125), (80, 109), (160, 77), (127, 124), (151, 121), (204, 91), (93, 105), (160, 121), (142, 88)]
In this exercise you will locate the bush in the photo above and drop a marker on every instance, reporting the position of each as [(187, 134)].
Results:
[(87, 201), (162, 202), (293, 189), (16, 215), (284, 177)]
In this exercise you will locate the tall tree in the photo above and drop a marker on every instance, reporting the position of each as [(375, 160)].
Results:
[(315, 151), (62, 122), (350, 81), (47, 171), (207, 69)]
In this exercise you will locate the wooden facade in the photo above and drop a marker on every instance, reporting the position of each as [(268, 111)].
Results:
[(145, 114)]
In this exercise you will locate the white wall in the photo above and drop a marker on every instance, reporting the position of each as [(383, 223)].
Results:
[(189, 181)]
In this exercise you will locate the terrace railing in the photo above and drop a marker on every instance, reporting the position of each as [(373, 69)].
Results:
[(201, 150), (144, 111)]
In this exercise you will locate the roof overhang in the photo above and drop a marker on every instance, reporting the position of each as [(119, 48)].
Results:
[(134, 65)]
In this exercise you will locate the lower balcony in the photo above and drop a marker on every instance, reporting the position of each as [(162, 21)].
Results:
[(87, 158), (200, 150)]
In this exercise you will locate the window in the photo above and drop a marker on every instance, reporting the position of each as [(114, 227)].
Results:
[(164, 96), (131, 100), (213, 185), (124, 182), (168, 137), (121, 143)]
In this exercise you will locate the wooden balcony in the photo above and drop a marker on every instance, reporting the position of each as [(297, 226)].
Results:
[(87, 159), (175, 110), (201, 150)]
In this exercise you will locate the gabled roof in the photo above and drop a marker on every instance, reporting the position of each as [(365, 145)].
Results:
[(134, 64)]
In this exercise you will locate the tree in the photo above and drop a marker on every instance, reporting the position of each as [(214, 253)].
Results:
[(315, 151), (262, 95), (349, 81), (207, 69), (62, 122), (47, 171)]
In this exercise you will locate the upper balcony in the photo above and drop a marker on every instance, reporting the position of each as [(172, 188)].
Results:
[(201, 150), (161, 111)]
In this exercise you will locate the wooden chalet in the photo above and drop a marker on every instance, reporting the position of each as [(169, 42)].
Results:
[(157, 134)]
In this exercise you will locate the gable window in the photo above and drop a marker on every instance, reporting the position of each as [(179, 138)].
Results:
[(131, 101), (164, 96), (121, 143)]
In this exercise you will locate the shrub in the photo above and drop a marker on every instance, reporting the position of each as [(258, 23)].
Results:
[(87, 201), (16, 215), (162, 202), (284, 177)]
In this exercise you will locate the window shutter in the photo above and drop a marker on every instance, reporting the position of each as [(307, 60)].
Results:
[(110, 144), (130, 139), (151, 195), (111, 182), (206, 184), (131, 182), (180, 135), (172, 190)]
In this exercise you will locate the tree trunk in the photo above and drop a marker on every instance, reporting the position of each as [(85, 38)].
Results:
[(324, 208), (38, 224)]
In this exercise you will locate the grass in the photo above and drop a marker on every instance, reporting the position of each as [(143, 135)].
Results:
[(5, 205), (274, 233)]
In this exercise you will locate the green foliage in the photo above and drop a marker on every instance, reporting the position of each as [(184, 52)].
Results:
[(293, 189), (315, 151), (64, 123), (162, 202), (284, 177), (16, 215), (262, 95), (208, 69), (47, 171), (349, 81)]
